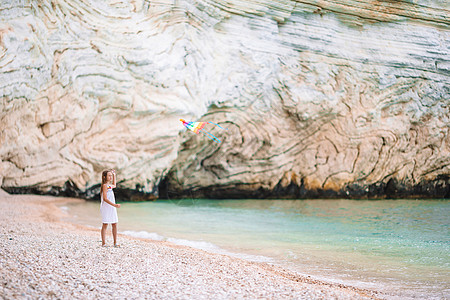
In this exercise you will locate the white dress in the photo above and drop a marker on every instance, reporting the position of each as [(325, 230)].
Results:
[(109, 212)]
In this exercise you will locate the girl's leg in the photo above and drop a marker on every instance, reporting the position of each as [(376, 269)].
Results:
[(104, 233), (114, 232)]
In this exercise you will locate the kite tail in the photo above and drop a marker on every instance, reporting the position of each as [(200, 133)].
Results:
[(210, 136), (217, 125)]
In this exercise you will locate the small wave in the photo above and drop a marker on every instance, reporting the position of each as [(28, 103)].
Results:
[(144, 235), (202, 245), (195, 244)]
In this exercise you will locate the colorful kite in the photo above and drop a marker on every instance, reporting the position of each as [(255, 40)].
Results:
[(198, 127)]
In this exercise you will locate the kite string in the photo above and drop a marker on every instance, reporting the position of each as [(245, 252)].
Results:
[(217, 125), (177, 202), (212, 137)]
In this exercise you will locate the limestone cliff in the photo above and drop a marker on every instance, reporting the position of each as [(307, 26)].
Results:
[(320, 98)]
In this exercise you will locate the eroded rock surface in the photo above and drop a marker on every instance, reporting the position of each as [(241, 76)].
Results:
[(320, 98)]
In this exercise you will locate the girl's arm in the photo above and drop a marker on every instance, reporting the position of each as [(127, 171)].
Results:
[(105, 199)]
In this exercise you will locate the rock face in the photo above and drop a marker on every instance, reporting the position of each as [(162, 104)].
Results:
[(321, 99)]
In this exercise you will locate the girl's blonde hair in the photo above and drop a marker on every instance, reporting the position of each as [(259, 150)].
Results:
[(104, 179), (104, 176)]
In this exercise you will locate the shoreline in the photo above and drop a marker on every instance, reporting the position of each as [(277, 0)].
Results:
[(379, 191), (50, 258)]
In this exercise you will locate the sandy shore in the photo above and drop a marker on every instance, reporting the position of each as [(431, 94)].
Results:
[(43, 257)]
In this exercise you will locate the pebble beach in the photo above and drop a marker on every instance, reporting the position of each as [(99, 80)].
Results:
[(44, 257)]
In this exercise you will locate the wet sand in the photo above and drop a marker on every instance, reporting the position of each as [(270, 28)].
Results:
[(43, 257)]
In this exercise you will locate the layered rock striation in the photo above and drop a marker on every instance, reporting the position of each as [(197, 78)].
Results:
[(320, 98)]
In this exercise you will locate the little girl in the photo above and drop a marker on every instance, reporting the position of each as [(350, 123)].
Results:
[(108, 204)]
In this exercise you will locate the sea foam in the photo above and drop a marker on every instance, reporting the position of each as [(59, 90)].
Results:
[(202, 245)]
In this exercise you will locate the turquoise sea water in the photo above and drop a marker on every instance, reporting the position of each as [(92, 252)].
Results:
[(401, 247)]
